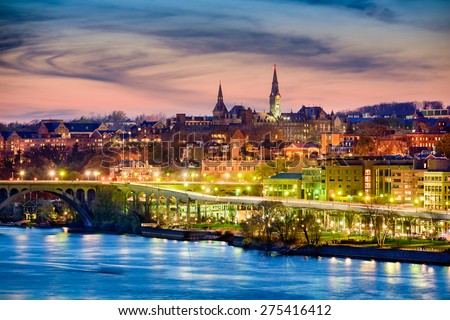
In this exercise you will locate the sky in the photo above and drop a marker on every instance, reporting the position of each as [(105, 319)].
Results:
[(62, 59)]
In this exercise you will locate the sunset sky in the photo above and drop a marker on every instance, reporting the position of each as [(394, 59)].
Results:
[(67, 58)]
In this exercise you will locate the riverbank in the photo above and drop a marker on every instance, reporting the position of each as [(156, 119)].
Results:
[(356, 252), (179, 234), (380, 254)]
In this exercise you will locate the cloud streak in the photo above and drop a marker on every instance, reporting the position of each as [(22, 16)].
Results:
[(160, 47), (368, 8)]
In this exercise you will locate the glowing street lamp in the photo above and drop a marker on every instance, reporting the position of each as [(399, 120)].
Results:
[(22, 173), (88, 173), (96, 174), (51, 174), (62, 173)]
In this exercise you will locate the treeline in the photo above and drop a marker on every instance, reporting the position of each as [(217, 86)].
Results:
[(275, 224), (117, 118), (110, 212), (401, 109)]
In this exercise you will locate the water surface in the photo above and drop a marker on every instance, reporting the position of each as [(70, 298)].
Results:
[(51, 264)]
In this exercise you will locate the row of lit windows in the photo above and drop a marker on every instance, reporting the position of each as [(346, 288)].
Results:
[(426, 139), (433, 189), (433, 178)]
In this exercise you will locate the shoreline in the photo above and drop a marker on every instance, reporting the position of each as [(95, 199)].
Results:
[(441, 258)]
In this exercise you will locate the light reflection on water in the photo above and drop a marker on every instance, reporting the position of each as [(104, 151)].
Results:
[(50, 264)]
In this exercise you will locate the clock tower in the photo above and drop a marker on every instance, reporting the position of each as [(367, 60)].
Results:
[(275, 97)]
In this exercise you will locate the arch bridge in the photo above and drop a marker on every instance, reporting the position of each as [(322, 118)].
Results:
[(152, 200), (79, 194)]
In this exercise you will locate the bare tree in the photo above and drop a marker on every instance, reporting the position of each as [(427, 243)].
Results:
[(382, 222)]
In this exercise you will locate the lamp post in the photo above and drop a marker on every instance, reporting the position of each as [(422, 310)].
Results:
[(51, 174), (88, 173), (22, 173)]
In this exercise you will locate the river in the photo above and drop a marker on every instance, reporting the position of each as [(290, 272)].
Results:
[(52, 264)]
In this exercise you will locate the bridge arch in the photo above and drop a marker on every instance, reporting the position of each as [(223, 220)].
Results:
[(13, 191), (80, 195), (90, 196), (77, 205), (3, 194)]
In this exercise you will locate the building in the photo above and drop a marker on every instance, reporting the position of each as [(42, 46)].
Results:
[(283, 185), (437, 184), (149, 131), (434, 110), (305, 125), (344, 180), (300, 150), (313, 187), (275, 96), (223, 168), (338, 143)]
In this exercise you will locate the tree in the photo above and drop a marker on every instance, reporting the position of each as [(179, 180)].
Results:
[(108, 213), (311, 226), (263, 171), (150, 117), (275, 223), (117, 117), (261, 224), (443, 146), (365, 146), (286, 226), (349, 217), (381, 223), (107, 205)]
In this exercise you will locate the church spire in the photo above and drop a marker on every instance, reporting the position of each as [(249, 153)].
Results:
[(220, 95), (220, 110), (275, 96), (275, 89)]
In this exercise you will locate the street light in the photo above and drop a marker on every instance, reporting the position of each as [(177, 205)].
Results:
[(88, 173), (62, 173), (52, 174), (22, 173), (96, 173)]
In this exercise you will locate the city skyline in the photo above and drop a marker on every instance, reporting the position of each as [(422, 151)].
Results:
[(64, 59)]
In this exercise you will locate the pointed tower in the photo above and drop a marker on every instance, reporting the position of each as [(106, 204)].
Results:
[(220, 111), (275, 97)]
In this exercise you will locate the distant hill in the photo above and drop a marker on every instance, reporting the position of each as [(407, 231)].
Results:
[(401, 109)]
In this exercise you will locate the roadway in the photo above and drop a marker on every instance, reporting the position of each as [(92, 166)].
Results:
[(313, 204), (256, 200)]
